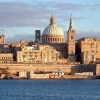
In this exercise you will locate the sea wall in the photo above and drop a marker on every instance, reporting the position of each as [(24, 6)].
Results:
[(13, 68), (67, 68)]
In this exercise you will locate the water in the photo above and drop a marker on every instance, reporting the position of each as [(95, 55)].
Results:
[(49, 89)]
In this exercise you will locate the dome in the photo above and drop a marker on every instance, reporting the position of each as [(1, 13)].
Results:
[(53, 33), (53, 30)]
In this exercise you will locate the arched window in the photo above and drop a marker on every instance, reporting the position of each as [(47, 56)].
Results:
[(48, 40), (57, 39), (72, 52), (53, 39), (72, 37)]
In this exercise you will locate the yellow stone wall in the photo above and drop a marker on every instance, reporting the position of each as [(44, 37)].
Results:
[(13, 68), (90, 49), (37, 54)]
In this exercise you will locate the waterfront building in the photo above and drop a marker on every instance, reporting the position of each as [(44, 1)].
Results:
[(85, 74), (37, 54), (6, 58), (28, 54), (16, 46), (59, 73), (31, 75), (89, 50), (22, 74)]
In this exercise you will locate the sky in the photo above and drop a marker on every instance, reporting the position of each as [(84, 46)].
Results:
[(20, 18)]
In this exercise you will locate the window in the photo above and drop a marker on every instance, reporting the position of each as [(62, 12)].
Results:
[(72, 52), (72, 37)]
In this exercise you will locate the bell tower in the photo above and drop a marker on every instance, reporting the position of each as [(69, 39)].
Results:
[(71, 42)]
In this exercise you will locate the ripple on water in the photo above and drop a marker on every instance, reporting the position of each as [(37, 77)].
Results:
[(49, 90)]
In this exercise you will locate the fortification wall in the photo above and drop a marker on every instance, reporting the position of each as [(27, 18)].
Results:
[(37, 67), (13, 68)]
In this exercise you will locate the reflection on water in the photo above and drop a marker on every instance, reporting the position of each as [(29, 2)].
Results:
[(49, 89)]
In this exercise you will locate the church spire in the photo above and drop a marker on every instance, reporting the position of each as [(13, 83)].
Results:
[(71, 28), (52, 20)]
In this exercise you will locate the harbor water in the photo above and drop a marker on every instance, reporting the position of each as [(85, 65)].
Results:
[(49, 89)]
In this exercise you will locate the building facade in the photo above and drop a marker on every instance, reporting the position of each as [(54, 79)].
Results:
[(37, 54), (6, 58), (89, 50)]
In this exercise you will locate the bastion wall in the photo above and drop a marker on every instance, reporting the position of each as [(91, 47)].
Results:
[(67, 68), (13, 68)]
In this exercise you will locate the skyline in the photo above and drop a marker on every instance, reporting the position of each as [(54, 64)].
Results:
[(19, 19)]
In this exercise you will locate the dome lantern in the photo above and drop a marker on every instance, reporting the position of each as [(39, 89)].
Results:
[(52, 20)]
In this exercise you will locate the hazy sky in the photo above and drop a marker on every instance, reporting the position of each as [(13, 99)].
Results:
[(20, 18)]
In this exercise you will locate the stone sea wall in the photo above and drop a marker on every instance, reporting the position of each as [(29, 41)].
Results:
[(13, 68), (67, 68)]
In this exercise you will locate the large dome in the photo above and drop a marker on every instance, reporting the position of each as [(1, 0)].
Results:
[(53, 33), (53, 30)]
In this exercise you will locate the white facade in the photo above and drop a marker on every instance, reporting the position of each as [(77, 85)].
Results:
[(31, 75), (85, 73), (22, 74)]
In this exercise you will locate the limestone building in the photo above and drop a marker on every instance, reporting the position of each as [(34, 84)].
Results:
[(89, 50), (37, 54), (6, 58)]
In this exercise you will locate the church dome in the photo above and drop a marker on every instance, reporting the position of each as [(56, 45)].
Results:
[(53, 33), (53, 30)]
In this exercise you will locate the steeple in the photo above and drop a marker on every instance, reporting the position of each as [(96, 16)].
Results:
[(71, 28), (52, 20), (71, 42)]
